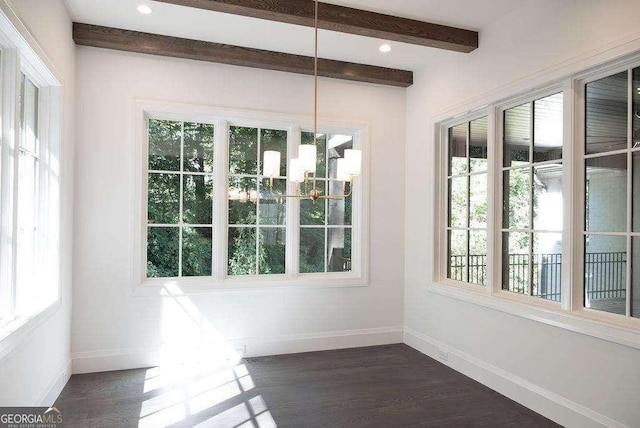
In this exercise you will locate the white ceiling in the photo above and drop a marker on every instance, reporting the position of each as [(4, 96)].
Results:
[(217, 27)]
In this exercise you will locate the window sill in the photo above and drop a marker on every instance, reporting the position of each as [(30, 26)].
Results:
[(188, 286), (14, 332), (584, 321)]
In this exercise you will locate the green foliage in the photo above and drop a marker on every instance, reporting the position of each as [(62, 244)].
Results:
[(312, 249), (243, 150), (163, 198), (272, 251), (517, 195), (164, 145), (165, 138), (162, 252), (313, 213), (242, 209), (197, 204), (458, 200), (242, 251), (196, 251), (272, 209), (198, 147), (348, 207)]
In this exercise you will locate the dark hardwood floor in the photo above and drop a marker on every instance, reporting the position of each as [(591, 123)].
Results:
[(381, 386)]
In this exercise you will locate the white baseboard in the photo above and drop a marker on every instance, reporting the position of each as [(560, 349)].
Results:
[(292, 344), (123, 359), (551, 405), (55, 386), (116, 359)]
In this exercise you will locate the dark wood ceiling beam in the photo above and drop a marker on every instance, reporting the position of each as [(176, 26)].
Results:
[(345, 20), (154, 44)]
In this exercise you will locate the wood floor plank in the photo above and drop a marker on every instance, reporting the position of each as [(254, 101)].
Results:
[(382, 386)]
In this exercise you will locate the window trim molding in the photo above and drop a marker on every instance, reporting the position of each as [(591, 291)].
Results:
[(219, 281), (570, 314), (584, 322), (22, 53)]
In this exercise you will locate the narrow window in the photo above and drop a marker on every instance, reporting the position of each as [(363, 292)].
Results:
[(467, 202), (179, 199), (612, 208), (326, 225), (257, 235), (532, 198)]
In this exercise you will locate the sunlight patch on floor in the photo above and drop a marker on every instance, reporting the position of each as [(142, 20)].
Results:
[(201, 380), (243, 415)]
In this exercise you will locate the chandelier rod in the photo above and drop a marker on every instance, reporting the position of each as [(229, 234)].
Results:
[(315, 75), (315, 84)]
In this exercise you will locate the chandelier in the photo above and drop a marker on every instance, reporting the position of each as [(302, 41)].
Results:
[(302, 170)]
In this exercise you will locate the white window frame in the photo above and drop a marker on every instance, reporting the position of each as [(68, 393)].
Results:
[(497, 175), (22, 55), (444, 194), (570, 313), (222, 118), (579, 156)]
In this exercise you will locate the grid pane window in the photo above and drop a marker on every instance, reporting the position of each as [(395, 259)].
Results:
[(467, 187), (326, 225), (540, 164), (186, 236), (532, 198), (180, 199), (257, 234), (612, 194)]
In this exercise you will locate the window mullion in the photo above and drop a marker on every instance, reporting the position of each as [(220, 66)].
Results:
[(257, 226), (444, 263), (468, 219), (532, 169), (579, 173), (493, 195), (220, 213), (357, 212), (629, 192), (570, 200), (292, 218), (181, 199)]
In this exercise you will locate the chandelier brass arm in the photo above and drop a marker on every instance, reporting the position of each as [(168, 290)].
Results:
[(313, 194)]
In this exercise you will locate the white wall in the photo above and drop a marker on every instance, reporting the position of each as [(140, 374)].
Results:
[(541, 40), (35, 371), (111, 328)]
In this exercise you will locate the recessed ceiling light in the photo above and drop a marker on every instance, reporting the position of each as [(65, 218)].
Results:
[(385, 48), (144, 9)]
